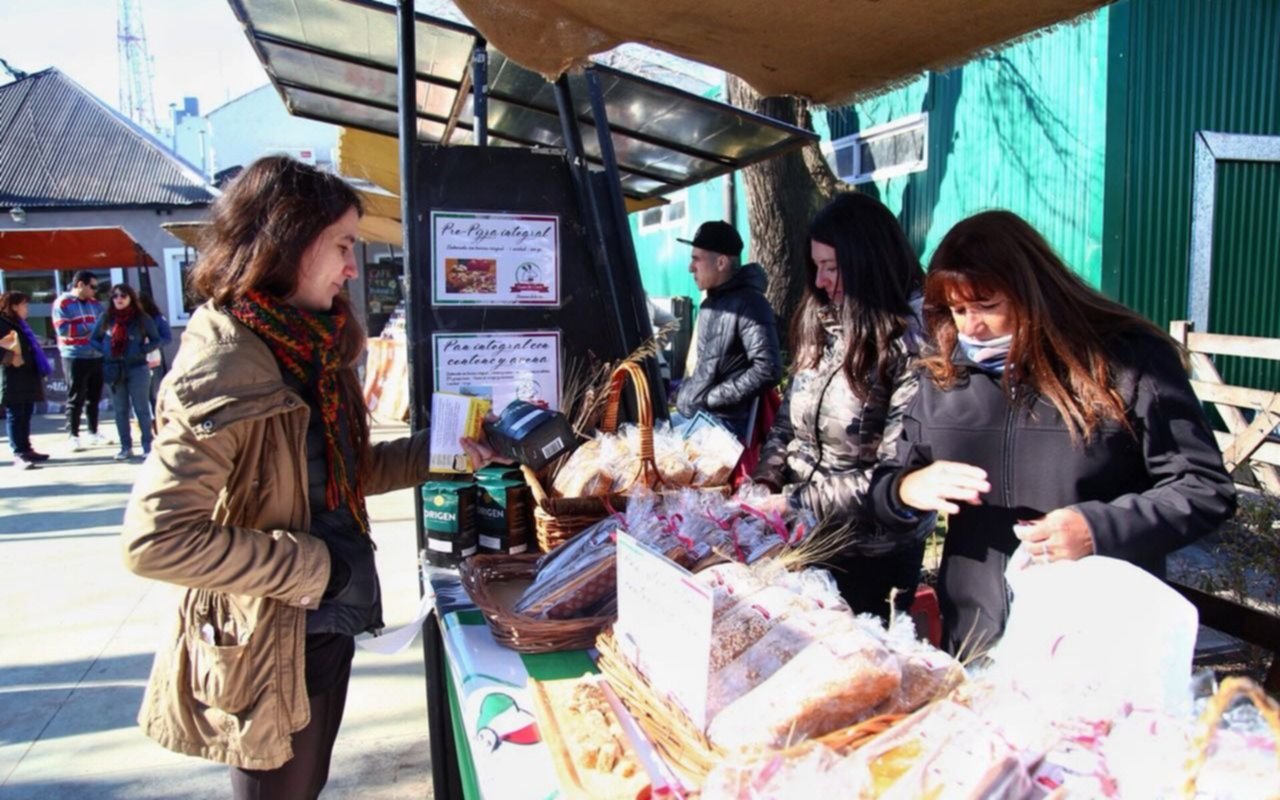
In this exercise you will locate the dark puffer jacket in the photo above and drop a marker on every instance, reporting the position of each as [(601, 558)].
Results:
[(1144, 493), (826, 442), (738, 353), (22, 384)]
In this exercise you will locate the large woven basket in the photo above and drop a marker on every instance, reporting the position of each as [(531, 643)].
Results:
[(494, 583), (686, 748), (557, 519)]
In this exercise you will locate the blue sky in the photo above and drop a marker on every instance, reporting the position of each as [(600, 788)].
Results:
[(197, 47)]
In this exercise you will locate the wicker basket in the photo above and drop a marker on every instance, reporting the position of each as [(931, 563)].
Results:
[(1230, 689), (484, 577), (558, 519), (682, 745)]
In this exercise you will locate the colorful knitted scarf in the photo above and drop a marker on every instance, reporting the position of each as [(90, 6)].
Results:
[(306, 344), (122, 319)]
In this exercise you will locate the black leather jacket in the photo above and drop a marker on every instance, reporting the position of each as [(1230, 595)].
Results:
[(738, 354), (1145, 492)]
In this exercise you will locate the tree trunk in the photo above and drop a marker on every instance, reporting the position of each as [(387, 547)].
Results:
[(783, 194)]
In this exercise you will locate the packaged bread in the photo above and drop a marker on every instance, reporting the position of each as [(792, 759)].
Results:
[(729, 583), (714, 452), (750, 619), (575, 579), (943, 751), (828, 685), (584, 474), (761, 660)]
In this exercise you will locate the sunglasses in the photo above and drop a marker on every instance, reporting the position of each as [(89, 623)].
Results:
[(118, 295)]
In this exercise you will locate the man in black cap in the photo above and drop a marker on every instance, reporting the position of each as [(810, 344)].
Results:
[(737, 356)]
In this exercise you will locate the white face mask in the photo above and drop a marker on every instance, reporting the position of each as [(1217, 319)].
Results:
[(999, 341)]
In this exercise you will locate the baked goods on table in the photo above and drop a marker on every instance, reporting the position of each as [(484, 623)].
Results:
[(592, 754)]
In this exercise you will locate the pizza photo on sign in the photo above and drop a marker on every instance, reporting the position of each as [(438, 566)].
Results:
[(471, 275)]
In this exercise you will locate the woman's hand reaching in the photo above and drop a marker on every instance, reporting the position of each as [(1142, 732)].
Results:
[(934, 487)]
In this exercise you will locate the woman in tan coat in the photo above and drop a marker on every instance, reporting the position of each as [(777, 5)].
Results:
[(253, 496)]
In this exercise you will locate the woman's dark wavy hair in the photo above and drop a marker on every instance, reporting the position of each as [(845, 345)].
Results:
[(9, 302), (1061, 325), (110, 313), (878, 271), (259, 229)]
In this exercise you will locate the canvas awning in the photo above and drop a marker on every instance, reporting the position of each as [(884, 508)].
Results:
[(187, 232), (335, 61), (829, 52), (30, 249)]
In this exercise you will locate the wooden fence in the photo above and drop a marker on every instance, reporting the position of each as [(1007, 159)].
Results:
[(1249, 439)]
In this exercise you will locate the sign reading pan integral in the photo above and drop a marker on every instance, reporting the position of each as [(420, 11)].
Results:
[(499, 366), (495, 259)]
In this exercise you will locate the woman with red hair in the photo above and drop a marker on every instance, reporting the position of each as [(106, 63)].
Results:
[(1047, 415)]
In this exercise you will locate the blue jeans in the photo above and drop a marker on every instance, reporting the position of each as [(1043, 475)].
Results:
[(133, 388), (17, 421)]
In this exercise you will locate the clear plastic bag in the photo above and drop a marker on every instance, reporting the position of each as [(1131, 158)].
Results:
[(576, 579), (829, 685)]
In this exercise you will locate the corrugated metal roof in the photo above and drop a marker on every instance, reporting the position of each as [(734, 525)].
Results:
[(62, 147)]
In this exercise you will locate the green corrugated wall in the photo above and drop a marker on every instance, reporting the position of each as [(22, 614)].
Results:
[(1180, 66), (1024, 129)]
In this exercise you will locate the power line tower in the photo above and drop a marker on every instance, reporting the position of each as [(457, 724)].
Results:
[(136, 98)]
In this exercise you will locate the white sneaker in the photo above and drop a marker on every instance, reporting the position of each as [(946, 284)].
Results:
[(98, 440), (73, 444), (21, 463)]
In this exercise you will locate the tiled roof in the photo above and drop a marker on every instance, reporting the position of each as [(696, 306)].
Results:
[(62, 147)]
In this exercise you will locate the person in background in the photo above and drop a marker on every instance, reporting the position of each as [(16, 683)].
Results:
[(1047, 416), (75, 313), (157, 361), (22, 377), (738, 357), (254, 495), (125, 335), (852, 337)]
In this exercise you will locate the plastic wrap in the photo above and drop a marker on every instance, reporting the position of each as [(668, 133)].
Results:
[(714, 452), (577, 579), (585, 474), (730, 582), (927, 672), (763, 659), (829, 685), (744, 624), (818, 773)]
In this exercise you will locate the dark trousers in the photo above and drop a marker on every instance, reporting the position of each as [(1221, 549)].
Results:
[(18, 425), (866, 581), (303, 776), (84, 388)]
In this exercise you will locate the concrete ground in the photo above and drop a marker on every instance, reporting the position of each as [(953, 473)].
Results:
[(77, 634)]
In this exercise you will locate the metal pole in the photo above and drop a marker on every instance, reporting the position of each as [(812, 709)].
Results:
[(618, 207), (406, 99), (586, 196), (480, 91)]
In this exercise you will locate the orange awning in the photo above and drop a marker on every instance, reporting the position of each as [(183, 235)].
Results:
[(27, 249)]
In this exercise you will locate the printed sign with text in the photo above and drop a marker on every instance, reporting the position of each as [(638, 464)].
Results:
[(500, 366), (664, 625), (495, 259)]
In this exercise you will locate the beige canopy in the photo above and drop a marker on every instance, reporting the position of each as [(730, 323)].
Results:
[(829, 51)]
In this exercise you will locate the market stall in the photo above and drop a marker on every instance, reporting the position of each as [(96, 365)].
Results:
[(731, 666)]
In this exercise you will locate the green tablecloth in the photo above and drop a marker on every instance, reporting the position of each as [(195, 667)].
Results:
[(500, 751)]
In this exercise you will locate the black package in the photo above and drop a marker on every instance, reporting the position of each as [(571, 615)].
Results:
[(530, 435)]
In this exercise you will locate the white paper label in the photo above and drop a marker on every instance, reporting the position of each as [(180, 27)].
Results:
[(491, 542), (552, 447), (653, 592), (440, 545)]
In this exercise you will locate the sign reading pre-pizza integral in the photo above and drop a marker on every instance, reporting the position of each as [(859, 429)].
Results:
[(499, 366), (495, 259)]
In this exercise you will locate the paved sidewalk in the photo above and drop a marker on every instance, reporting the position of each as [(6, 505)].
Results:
[(77, 634)]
